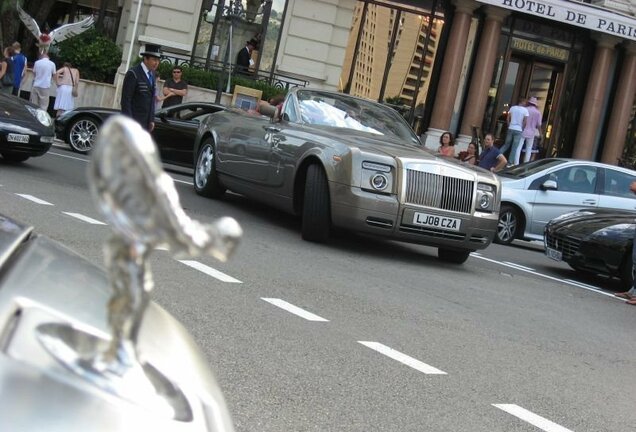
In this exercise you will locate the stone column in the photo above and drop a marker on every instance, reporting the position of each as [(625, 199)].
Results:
[(482, 73), (622, 108), (594, 97), (451, 71)]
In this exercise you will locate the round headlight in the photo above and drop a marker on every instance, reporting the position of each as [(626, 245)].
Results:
[(484, 201), (379, 182)]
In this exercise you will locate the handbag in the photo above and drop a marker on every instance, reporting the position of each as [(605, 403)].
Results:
[(7, 78), (75, 92)]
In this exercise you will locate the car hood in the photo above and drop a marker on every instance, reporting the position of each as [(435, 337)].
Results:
[(395, 148), (15, 117), (586, 222), (45, 283)]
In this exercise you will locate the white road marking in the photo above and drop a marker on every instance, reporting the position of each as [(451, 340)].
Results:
[(565, 281), (519, 266), (210, 271), (34, 199), (403, 358), (530, 417), (294, 309), (85, 218)]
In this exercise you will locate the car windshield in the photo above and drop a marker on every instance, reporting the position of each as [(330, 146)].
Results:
[(528, 169), (343, 111)]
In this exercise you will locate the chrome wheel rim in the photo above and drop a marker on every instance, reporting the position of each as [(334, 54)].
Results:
[(204, 166), (82, 135), (507, 226)]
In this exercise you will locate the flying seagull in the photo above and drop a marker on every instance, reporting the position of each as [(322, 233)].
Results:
[(45, 40)]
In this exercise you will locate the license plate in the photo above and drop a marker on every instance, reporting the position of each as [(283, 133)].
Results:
[(554, 254), (19, 138), (434, 221)]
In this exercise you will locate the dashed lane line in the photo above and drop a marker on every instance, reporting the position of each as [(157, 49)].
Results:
[(210, 271), (34, 199), (294, 309), (532, 418), (403, 358), (565, 281), (85, 218)]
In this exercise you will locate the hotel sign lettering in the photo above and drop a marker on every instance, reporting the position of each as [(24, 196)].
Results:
[(572, 13), (539, 49)]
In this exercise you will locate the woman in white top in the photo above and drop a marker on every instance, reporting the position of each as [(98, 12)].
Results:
[(66, 78)]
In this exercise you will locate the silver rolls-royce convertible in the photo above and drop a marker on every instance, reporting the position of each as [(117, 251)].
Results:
[(342, 161)]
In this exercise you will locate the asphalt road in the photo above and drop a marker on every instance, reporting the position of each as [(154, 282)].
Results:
[(368, 335)]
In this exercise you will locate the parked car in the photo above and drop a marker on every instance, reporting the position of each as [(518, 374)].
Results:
[(534, 193), (347, 162), (25, 129), (174, 133), (595, 241)]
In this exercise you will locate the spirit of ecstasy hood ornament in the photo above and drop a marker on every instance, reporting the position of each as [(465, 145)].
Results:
[(141, 204)]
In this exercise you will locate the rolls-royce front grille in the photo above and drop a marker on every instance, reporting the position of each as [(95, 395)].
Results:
[(437, 191), (567, 245)]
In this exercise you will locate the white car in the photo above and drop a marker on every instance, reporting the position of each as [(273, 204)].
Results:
[(534, 193)]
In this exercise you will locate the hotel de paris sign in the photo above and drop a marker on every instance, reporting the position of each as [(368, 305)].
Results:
[(576, 14)]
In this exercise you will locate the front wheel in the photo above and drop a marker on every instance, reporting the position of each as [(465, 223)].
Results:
[(508, 225), (453, 256), (206, 182), (316, 222), (82, 134)]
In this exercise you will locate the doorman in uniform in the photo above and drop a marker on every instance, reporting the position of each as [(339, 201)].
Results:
[(138, 91)]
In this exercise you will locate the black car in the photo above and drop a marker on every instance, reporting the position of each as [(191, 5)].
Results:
[(174, 133), (25, 129), (594, 241)]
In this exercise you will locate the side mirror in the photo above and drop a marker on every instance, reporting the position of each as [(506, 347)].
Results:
[(549, 185)]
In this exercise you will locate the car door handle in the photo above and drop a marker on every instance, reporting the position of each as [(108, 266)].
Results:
[(271, 129), (589, 201)]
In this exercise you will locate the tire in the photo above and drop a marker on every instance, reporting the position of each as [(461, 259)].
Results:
[(627, 272), (206, 182), (316, 214), (508, 226), (82, 133), (453, 256), (14, 158)]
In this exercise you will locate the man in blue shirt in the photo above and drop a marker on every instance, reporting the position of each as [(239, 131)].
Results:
[(19, 65), (491, 158)]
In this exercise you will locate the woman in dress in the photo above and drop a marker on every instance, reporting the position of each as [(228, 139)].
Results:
[(66, 78), (472, 153), (447, 145)]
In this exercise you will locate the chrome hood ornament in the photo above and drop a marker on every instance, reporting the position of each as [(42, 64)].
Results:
[(142, 207)]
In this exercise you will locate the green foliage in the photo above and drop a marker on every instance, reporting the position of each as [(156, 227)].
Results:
[(210, 79), (96, 57)]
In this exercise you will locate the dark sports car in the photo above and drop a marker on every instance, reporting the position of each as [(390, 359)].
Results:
[(595, 241), (175, 128), (25, 129)]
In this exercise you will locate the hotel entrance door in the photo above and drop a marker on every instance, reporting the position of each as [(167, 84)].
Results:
[(526, 77)]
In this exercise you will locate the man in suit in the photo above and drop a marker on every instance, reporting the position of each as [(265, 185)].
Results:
[(244, 57), (138, 91)]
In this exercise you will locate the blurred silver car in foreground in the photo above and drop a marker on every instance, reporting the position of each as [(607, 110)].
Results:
[(534, 193), (341, 161), (80, 352)]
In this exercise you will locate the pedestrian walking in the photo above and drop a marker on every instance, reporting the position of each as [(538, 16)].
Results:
[(175, 88), (19, 66), (43, 72), (516, 119), (244, 57), (66, 78), (491, 158), (6, 71), (631, 294), (138, 91), (532, 129)]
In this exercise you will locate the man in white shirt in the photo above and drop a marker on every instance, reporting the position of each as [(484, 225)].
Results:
[(43, 72), (517, 117)]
